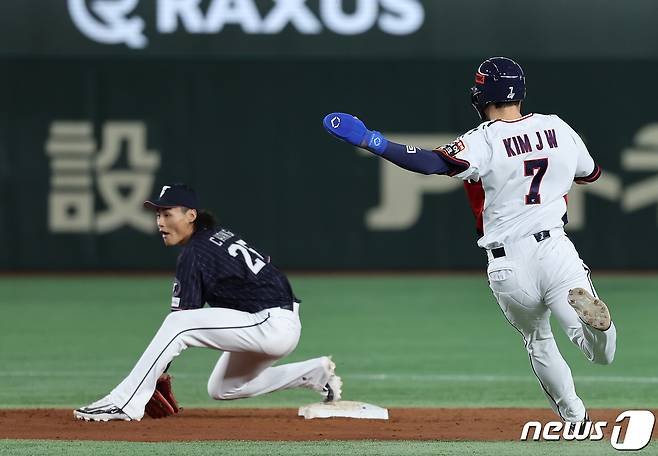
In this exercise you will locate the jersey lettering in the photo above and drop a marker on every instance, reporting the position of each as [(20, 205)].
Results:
[(520, 144), (551, 138), (220, 237)]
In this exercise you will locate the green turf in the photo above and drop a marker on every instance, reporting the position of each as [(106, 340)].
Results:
[(412, 448), (397, 340)]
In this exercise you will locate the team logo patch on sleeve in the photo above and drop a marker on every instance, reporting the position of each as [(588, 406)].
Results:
[(175, 300), (453, 148)]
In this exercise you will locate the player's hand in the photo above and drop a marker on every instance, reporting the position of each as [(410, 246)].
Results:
[(352, 130), (346, 127)]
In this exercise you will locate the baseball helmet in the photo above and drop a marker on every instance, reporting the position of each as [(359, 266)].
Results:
[(497, 80)]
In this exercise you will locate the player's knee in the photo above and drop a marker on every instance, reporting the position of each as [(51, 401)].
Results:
[(538, 344), (214, 392), (604, 359), (217, 395), (221, 394), (173, 318), (173, 322), (221, 390)]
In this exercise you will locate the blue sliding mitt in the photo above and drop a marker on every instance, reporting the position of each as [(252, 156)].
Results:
[(350, 129)]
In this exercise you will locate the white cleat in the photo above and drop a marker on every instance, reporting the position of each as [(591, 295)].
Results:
[(102, 410), (592, 311), (332, 391)]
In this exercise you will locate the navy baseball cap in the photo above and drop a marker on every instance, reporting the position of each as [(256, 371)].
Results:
[(173, 196)]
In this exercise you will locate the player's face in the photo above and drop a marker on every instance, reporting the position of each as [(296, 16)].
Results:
[(176, 225)]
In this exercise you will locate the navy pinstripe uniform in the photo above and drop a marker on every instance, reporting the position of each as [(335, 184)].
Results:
[(252, 316), (219, 268)]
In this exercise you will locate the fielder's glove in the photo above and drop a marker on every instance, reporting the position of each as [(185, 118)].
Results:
[(350, 129), (163, 403)]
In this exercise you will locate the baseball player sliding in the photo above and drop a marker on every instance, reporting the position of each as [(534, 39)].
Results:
[(517, 171), (253, 317)]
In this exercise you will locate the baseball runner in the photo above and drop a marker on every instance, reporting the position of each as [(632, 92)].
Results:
[(517, 171), (253, 317)]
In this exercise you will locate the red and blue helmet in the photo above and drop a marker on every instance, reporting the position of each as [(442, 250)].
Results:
[(497, 80)]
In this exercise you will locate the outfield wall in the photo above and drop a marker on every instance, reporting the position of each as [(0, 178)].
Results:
[(89, 129)]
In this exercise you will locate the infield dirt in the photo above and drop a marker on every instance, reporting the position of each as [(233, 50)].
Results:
[(483, 424)]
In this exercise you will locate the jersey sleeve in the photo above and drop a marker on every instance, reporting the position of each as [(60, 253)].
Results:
[(469, 155), (188, 286), (587, 170)]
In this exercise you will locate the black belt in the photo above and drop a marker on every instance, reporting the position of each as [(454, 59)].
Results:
[(290, 307), (500, 251)]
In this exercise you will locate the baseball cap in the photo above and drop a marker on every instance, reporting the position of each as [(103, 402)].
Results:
[(174, 195)]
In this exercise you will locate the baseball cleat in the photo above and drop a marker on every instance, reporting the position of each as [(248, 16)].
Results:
[(333, 389), (592, 311), (580, 427), (102, 410)]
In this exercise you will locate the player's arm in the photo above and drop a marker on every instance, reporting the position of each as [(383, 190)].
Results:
[(352, 130), (587, 170), (188, 287), (589, 178)]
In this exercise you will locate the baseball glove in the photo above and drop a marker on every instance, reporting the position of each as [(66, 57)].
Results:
[(163, 403)]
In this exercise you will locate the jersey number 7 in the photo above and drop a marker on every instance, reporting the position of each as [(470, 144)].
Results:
[(529, 167)]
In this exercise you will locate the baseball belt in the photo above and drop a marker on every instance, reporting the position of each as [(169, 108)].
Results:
[(500, 251)]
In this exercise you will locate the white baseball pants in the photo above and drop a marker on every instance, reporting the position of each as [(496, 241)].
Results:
[(251, 344), (532, 281)]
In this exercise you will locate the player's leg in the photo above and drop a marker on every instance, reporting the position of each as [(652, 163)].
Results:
[(598, 346), (523, 308), (242, 375), (222, 329), (568, 272)]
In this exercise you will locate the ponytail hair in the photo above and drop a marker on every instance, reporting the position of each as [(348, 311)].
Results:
[(205, 220)]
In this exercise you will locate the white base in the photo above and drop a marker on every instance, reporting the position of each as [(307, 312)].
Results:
[(343, 409)]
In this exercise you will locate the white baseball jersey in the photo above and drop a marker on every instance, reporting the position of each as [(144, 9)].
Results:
[(519, 173)]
